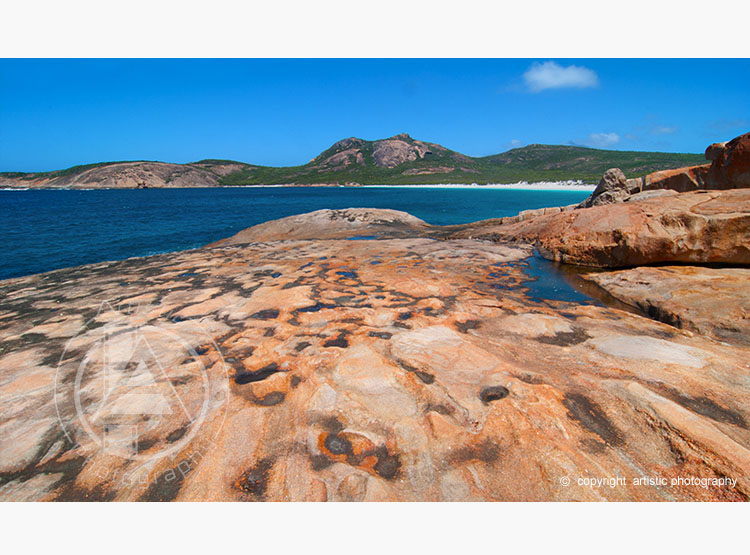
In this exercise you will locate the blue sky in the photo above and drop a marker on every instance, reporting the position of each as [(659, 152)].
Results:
[(59, 113)]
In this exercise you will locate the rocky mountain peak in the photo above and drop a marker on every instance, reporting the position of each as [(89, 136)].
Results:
[(399, 149), (351, 142)]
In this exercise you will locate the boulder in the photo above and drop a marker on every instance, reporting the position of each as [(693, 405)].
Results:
[(691, 178), (714, 151), (613, 187), (730, 168)]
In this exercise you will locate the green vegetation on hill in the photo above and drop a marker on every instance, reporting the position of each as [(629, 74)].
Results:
[(213, 162), (591, 161), (439, 165)]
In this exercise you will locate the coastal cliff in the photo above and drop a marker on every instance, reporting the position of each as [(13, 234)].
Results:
[(366, 355)]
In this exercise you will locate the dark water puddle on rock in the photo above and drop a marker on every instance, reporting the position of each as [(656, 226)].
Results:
[(317, 307), (555, 281)]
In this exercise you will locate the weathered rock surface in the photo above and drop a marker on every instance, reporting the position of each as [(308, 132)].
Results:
[(393, 152), (682, 180), (731, 165), (398, 369), (656, 193), (698, 227), (367, 223), (710, 301)]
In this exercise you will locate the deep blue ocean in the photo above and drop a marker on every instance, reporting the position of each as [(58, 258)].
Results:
[(46, 230)]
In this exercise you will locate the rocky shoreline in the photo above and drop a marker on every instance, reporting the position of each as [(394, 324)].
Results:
[(366, 355)]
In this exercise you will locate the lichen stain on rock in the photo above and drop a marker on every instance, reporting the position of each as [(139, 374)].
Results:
[(587, 413), (358, 451), (254, 480)]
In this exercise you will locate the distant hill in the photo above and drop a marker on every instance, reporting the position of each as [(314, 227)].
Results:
[(127, 175), (397, 160), (589, 163)]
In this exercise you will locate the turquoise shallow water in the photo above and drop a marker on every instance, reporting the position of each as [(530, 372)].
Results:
[(46, 230)]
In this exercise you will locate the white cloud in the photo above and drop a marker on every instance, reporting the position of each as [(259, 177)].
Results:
[(602, 140), (550, 75), (514, 143), (664, 130)]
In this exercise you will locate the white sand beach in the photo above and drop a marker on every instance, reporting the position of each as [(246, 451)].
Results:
[(521, 185)]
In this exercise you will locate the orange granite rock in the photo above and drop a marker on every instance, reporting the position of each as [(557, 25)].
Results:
[(349, 223), (697, 227), (405, 369), (710, 301), (682, 180), (731, 165)]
